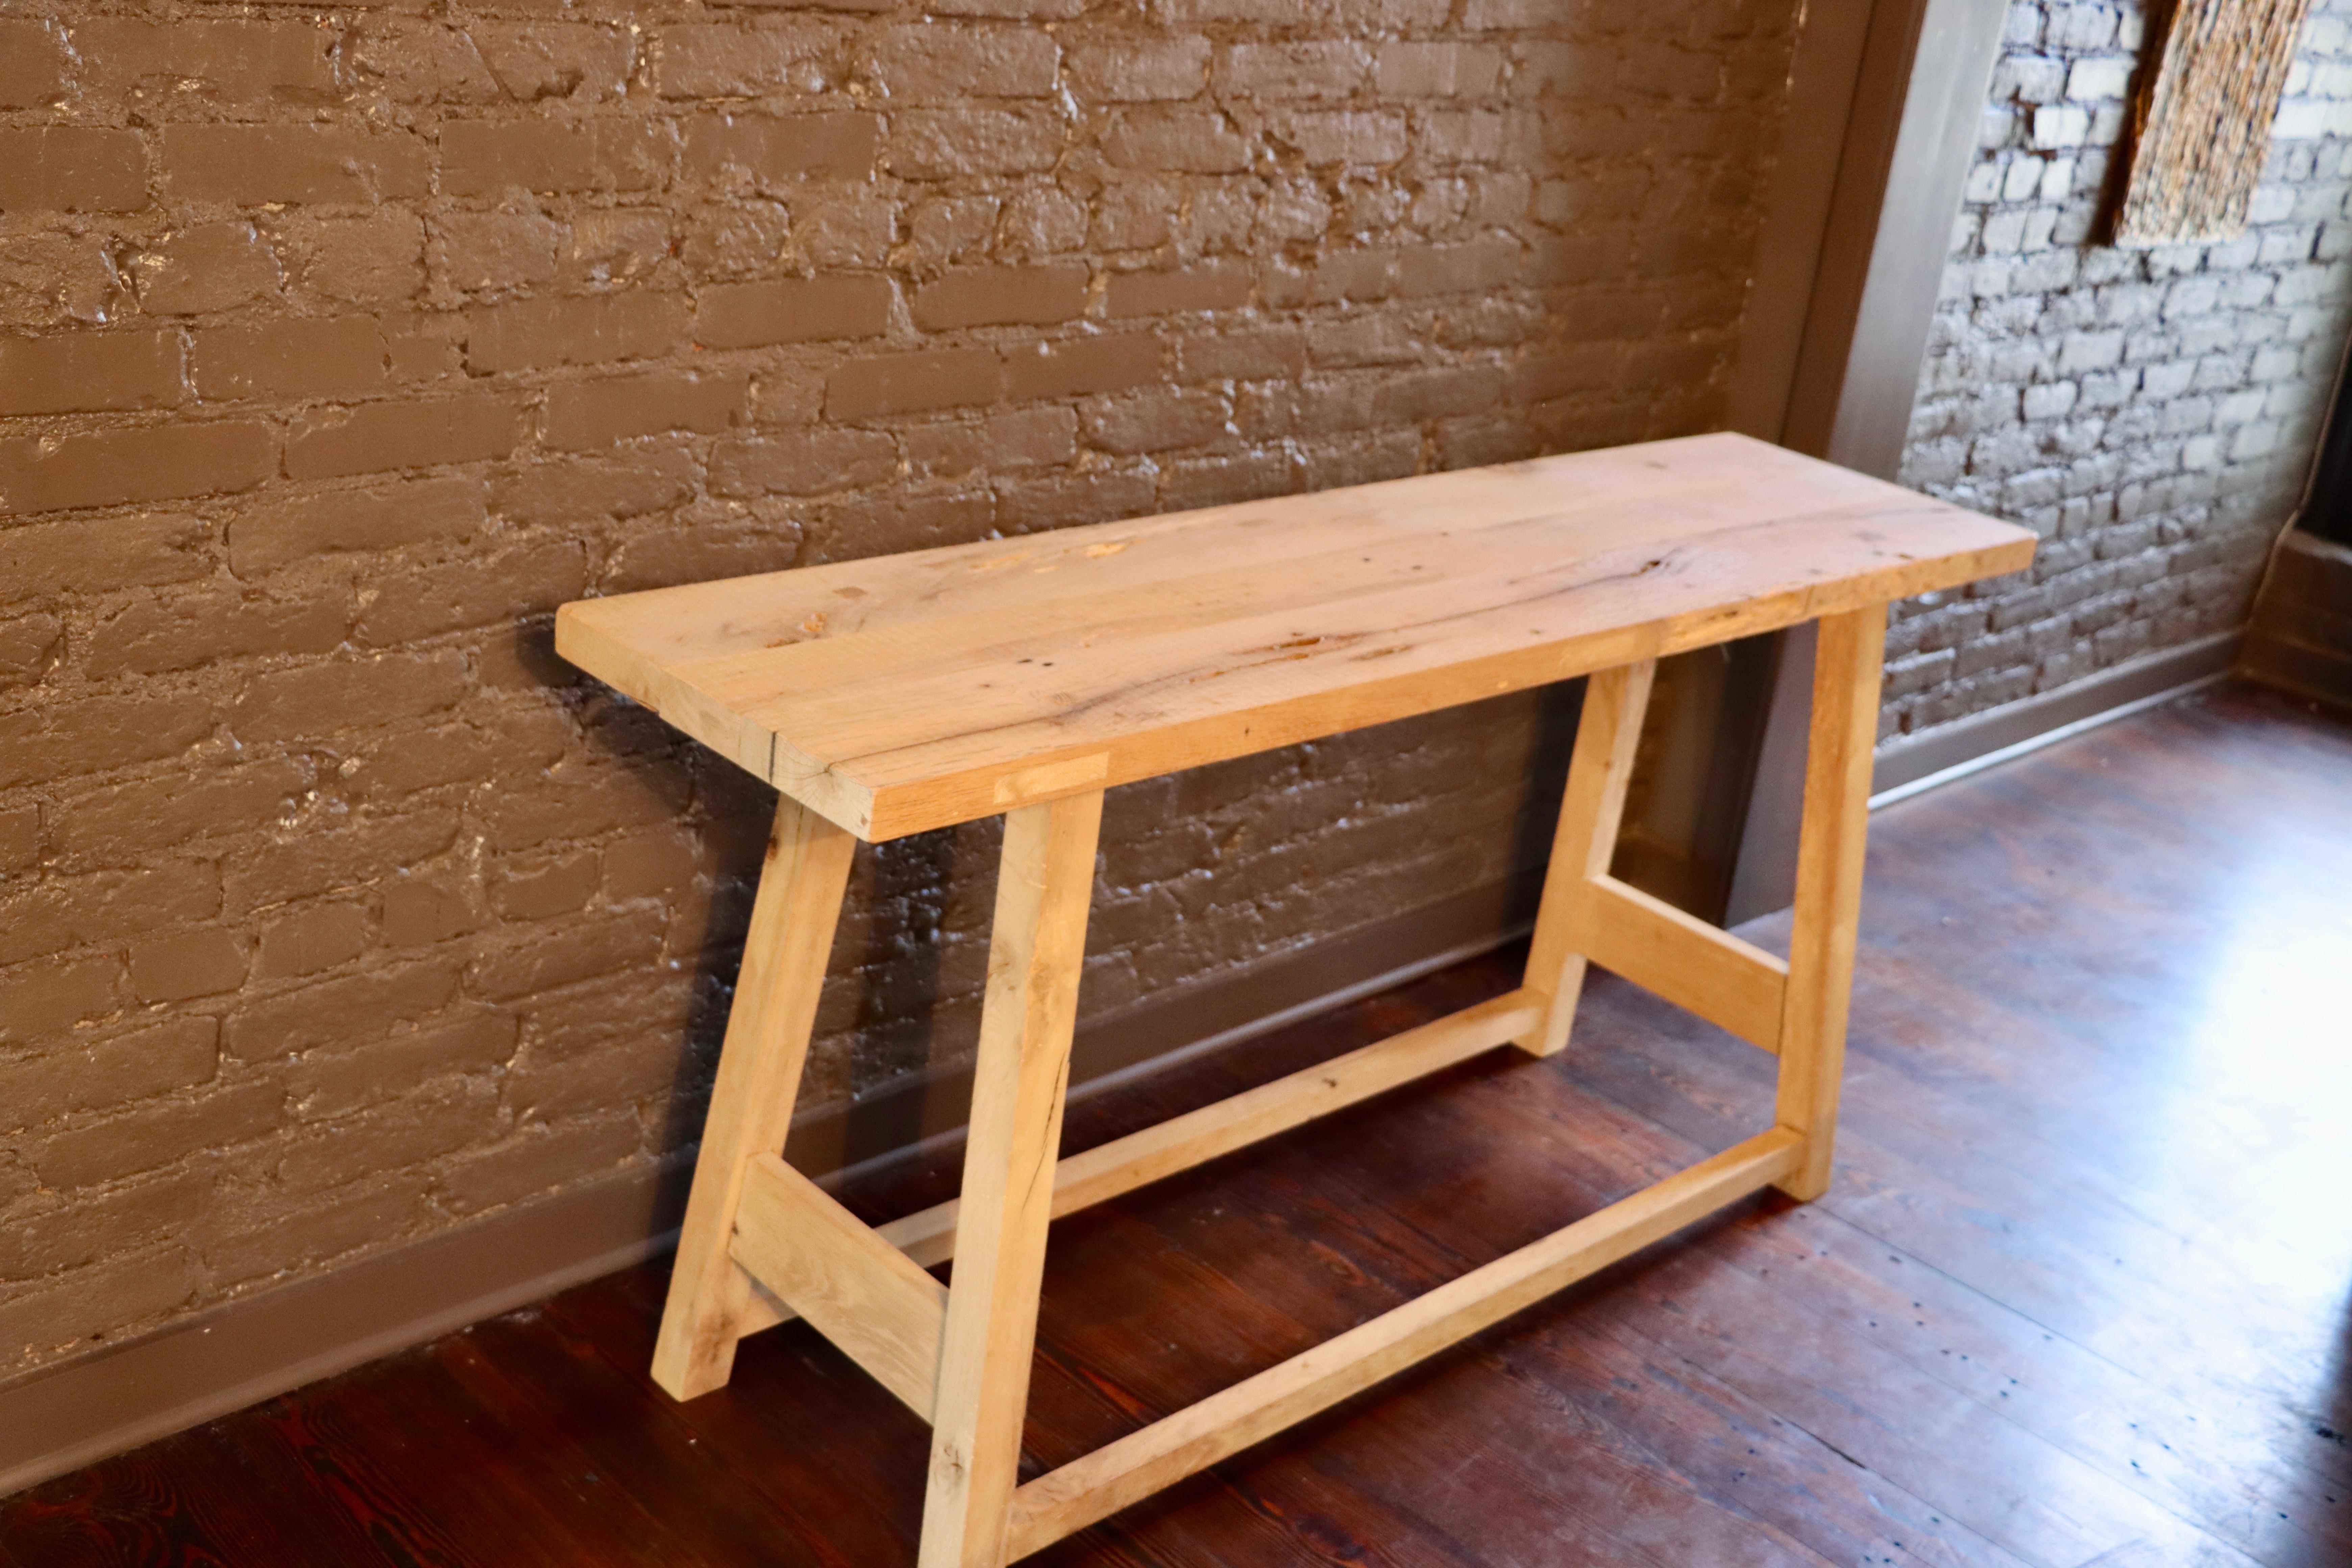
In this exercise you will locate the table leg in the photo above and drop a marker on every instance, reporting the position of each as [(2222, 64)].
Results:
[(1607, 733), (1844, 732), (784, 953), (1044, 886)]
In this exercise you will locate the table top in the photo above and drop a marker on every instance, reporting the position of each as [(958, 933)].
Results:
[(914, 691)]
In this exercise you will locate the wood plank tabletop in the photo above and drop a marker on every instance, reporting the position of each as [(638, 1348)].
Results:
[(913, 692)]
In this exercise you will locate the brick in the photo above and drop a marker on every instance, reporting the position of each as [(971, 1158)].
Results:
[(270, 532), (649, 865), (575, 801), (1250, 73), (378, 259), (71, 168), (766, 148), (1184, 140), (186, 963), (38, 1000), (538, 889), (812, 464), (792, 310), (157, 462), (489, 157), (718, 60), (251, 164), (420, 910), (537, 1158), (1203, 286), (154, 635), (237, 63), (944, 143), (561, 493), (1475, 268), (292, 359), (1280, 352), (373, 436), (339, 1011), (62, 740), (434, 1119), (479, 591), (884, 524), (29, 648), (538, 60), (59, 913), (331, 1082), (125, 1289), (1437, 70), (583, 950), (1341, 136), (1003, 296), (496, 250), (310, 940), (88, 371), (1029, 437), (368, 1213), (34, 68), (211, 266), (583, 416), (540, 334), (322, 699), (127, 824), (936, 62), (20, 838), (1083, 364), (1140, 70), (1156, 421), (901, 384), (122, 1070)]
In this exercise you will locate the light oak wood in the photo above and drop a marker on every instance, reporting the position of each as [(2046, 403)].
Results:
[(1044, 881), (1844, 729), (784, 952), (1140, 1463), (861, 1292), (1608, 731), (925, 689), (1731, 984)]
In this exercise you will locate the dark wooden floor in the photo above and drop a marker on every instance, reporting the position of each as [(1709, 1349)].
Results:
[(2079, 1294)]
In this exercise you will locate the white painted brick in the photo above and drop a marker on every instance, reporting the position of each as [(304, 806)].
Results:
[(2060, 125), (2300, 118), (2091, 81)]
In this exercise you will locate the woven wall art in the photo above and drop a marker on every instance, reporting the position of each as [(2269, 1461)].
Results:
[(2204, 120)]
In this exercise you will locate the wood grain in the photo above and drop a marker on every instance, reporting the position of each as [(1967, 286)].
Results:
[(920, 690)]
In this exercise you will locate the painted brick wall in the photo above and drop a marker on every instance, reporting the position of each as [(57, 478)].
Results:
[(2150, 413), (338, 346)]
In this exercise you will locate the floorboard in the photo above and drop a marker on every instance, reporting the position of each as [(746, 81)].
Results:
[(2081, 1293)]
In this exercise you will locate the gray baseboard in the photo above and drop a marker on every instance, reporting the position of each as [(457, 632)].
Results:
[(1906, 767), (60, 1417)]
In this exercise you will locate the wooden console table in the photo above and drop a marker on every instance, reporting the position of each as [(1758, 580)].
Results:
[(1026, 676)]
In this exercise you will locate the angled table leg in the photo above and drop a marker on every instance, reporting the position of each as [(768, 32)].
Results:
[(1829, 888), (1022, 1072), (1607, 733), (784, 953)]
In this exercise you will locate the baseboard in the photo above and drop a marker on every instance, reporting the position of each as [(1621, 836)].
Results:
[(60, 1417), (1908, 766), (2301, 638)]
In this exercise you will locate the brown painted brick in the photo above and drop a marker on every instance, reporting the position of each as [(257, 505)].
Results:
[(1475, 268), (332, 1082), (650, 864), (767, 149), (58, 741), (939, 62), (562, 493), (29, 648), (1203, 286), (1278, 352), (270, 532), (900, 384), (719, 60), (159, 1133), (128, 1288), (496, 250), (537, 1158), (89, 370), (1025, 439), (810, 464), (186, 963), (579, 801), (486, 157), (118, 1071), (95, 554), (59, 912), (43, 999), (345, 357), (157, 462), (1332, 68), (1356, 274), (1324, 137), (1083, 364), (544, 886), (1140, 70), (34, 68), (307, 939), (378, 259), (943, 143), (479, 591), (538, 334), (1097, 495), (251, 164), (586, 949), (1157, 421), (212, 266), (20, 837), (152, 635), (1003, 296), (377, 435), (339, 1012), (887, 523), (1437, 70), (71, 168), (1432, 394), (325, 698), (369, 1214), (583, 416), (537, 60), (419, 910), (190, 60), (792, 310), (435, 1119), (1187, 141)]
